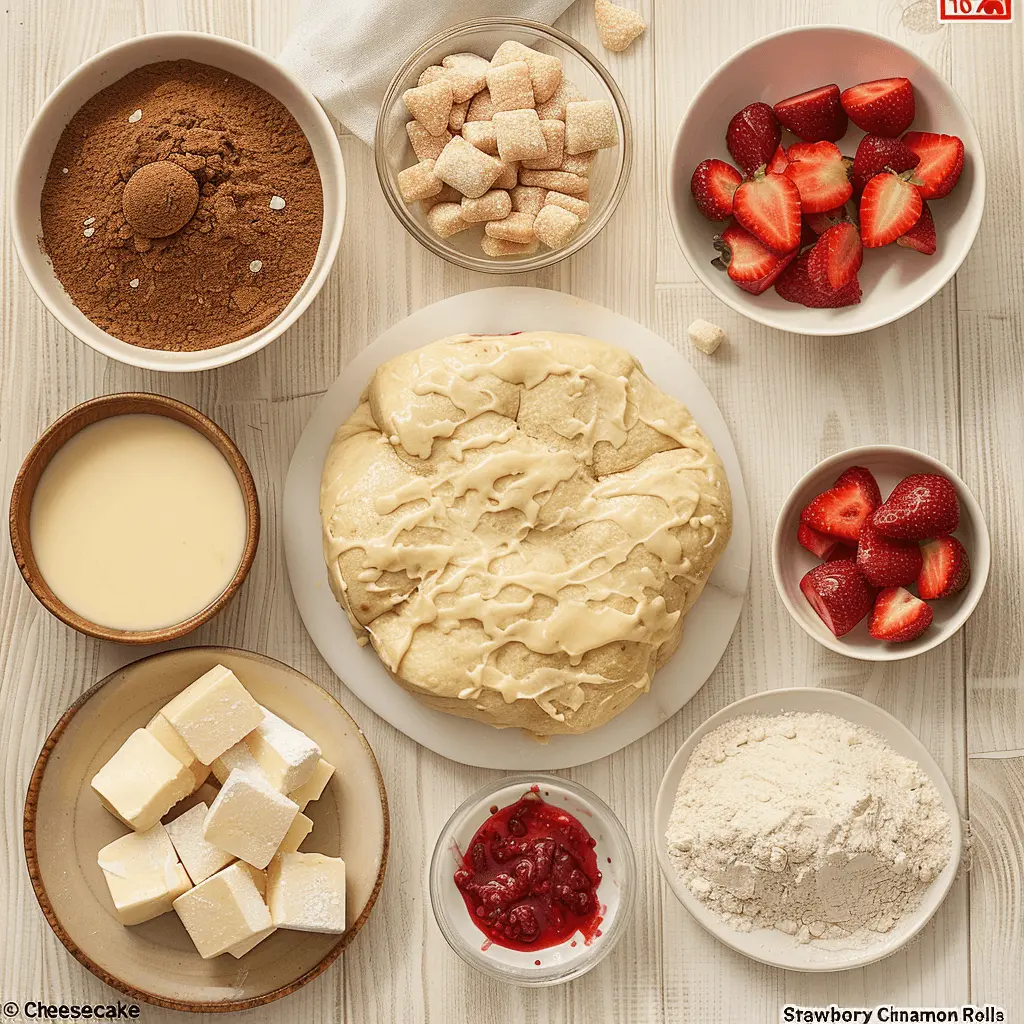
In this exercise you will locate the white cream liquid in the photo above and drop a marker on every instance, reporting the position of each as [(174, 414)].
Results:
[(138, 522)]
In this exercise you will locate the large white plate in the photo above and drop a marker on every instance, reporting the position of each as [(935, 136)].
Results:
[(709, 624), (774, 947)]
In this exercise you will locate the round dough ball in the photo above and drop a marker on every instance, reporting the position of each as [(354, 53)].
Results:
[(160, 199)]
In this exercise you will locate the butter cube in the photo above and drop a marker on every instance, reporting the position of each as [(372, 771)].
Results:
[(239, 756), (306, 892), (174, 744), (301, 827), (287, 756), (224, 911), (316, 785), (142, 781), (214, 713), (142, 874), (249, 818), (201, 859)]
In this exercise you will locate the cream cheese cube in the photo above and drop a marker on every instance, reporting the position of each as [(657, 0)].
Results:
[(200, 858), (306, 892), (239, 756), (213, 713), (142, 781), (301, 827), (174, 744), (287, 756), (224, 911), (314, 788), (249, 818), (143, 875)]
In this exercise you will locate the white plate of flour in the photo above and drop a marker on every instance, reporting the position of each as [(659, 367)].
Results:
[(769, 945), (709, 624)]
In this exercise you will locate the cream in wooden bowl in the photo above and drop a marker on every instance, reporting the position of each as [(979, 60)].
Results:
[(134, 518)]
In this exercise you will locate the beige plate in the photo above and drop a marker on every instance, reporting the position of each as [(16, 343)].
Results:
[(65, 826)]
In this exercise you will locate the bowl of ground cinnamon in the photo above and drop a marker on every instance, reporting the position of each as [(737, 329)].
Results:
[(178, 201)]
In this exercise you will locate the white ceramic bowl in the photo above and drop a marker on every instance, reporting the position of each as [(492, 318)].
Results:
[(889, 464), (102, 70), (895, 280), (773, 947)]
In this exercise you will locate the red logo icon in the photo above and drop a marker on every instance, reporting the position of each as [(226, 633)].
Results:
[(975, 10)]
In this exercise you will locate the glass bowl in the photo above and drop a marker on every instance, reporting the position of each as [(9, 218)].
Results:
[(556, 964), (608, 175)]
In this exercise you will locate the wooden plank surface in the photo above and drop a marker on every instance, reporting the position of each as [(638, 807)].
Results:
[(946, 379)]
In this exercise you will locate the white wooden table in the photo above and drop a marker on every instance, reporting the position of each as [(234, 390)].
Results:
[(946, 379)]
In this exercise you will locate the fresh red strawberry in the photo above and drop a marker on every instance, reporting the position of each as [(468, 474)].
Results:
[(945, 568), (819, 173), (843, 509), (819, 223), (779, 162), (886, 562), (753, 136), (882, 107), (898, 616), (839, 594), (750, 264), (875, 154), (889, 207), (822, 545), (795, 285), (836, 257), (942, 160), (768, 206), (921, 506), (922, 235), (815, 115), (713, 184)]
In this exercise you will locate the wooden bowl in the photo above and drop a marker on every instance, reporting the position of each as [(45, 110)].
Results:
[(65, 826), (39, 458)]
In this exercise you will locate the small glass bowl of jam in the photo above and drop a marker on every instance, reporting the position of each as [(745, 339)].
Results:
[(532, 880)]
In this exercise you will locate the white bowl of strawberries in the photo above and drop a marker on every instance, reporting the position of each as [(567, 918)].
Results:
[(825, 181), (880, 553)]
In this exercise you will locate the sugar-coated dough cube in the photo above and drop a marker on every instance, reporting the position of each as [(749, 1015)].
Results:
[(510, 87), (554, 226), (509, 176), (578, 206), (555, 181), (445, 219), (431, 104), (249, 818), (545, 70), (527, 199), (425, 145), (419, 181), (301, 827), (239, 757), (314, 789), (467, 73), (306, 892), (518, 134), (555, 106), (431, 74), (617, 26), (457, 118), (491, 205), (286, 755), (174, 744), (590, 124), (495, 247), (142, 781), (223, 912), (214, 713), (705, 336), (143, 875), (516, 227), (481, 108), (466, 168), (482, 135), (200, 858), (554, 140), (578, 163)]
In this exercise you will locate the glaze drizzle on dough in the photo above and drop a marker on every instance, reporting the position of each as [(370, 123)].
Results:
[(519, 524)]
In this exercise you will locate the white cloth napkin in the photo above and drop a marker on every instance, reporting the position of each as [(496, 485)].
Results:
[(347, 51)]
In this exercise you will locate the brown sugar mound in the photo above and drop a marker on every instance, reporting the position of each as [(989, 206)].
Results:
[(228, 269)]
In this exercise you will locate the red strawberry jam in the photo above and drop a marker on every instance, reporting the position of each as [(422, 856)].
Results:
[(530, 877)]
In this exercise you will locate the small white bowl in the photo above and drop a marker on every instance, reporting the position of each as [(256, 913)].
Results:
[(895, 280), (790, 562), (773, 947), (106, 68)]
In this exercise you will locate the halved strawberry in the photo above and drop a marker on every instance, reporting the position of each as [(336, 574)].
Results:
[(779, 162), (753, 136), (876, 154), (795, 285), (815, 115), (889, 207), (822, 545), (942, 160), (886, 562), (750, 264), (882, 107), (844, 508), (819, 173), (768, 206), (713, 185), (839, 594), (819, 223), (920, 506), (898, 616), (922, 235), (836, 256), (945, 568)]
